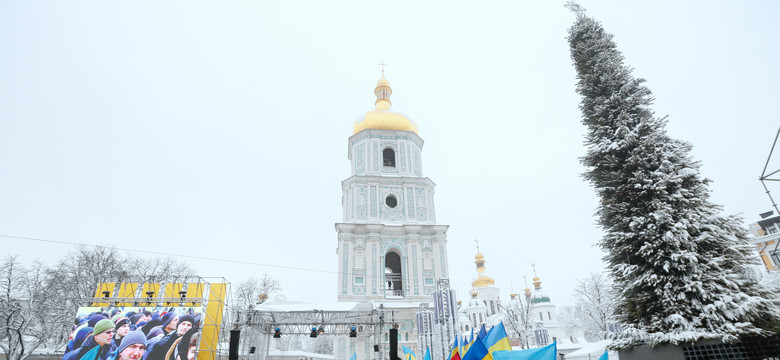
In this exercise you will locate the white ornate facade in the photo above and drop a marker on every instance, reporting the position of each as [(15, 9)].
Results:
[(390, 249)]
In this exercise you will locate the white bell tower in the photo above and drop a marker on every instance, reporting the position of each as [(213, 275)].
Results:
[(389, 245)]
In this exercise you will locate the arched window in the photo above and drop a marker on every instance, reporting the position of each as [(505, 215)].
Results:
[(388, 157), (393, 284), (492, 307)]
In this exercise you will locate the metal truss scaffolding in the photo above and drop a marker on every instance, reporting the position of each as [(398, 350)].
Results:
[(260, 325)]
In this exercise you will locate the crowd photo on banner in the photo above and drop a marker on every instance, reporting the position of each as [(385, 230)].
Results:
[(134, 333)]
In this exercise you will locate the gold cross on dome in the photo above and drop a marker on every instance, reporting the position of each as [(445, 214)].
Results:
[(382, 64)]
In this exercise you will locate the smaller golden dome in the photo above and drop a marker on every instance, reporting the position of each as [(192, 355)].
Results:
[(383, 81), (479, 256), (483, 281)]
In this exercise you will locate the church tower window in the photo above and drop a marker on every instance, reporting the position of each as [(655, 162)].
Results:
[(388, 157), (393, 284), (391, 201)]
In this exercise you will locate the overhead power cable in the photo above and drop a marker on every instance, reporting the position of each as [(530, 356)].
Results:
[(169, 254)]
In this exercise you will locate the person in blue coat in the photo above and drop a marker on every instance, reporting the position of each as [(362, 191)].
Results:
[(97, 346)]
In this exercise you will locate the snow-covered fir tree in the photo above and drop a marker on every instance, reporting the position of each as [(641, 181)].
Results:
[(677, 263)]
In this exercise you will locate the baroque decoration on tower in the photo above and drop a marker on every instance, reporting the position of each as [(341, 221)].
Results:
[(390, 249), (685, 271)]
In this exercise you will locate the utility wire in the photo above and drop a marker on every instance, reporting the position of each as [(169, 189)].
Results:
[(169, 254)]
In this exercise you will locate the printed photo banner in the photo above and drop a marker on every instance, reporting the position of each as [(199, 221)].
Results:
[(135, 333)]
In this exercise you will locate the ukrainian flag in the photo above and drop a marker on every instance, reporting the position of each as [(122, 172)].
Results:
[(549, 352), (477, 351), (354, 356), (496, 339), (468, 344), (455, 355), (408, 353), (427, 354), (482, 333)]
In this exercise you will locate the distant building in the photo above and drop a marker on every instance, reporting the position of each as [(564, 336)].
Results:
[(486, 308), (766, 238)]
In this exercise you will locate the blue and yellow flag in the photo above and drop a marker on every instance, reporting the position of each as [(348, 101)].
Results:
[(549, 352), (354, 356), (604, 356), (468, 344), (477, 351), (455, 354), (482, 333), (427, 354), (408, 353), (496, 339)]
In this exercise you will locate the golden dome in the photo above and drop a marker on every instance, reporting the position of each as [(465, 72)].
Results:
[(383, 81), (482, 281), (479, 256), (537, 283), (383, 118)]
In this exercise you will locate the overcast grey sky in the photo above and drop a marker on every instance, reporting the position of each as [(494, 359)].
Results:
[(219, 129)]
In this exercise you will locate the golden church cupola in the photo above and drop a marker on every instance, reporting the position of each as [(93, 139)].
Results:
[(383, 117), (482, 279)]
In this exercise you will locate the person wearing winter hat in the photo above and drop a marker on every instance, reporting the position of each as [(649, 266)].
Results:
[(170, 321), (98, 345), (185, 323), (94, 318), (114, 312), (160, 349), (132, 347), (78, 339), (135, 319), (122, 328), (184, 347)]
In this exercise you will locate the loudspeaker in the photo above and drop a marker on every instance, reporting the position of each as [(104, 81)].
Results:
[(233, 350), (394, 344)]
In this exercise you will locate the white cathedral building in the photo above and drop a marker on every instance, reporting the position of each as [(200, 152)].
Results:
[(485, 308)]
